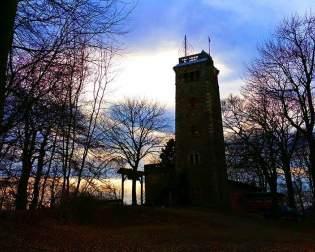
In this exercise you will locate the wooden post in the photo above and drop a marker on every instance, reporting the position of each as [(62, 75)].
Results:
[(122, 188), (141, 182)]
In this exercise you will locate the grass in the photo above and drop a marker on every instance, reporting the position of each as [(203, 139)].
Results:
[(114, 228)]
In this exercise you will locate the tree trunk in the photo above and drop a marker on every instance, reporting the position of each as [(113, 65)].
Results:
[(273, 189), (47, 175), (39, 172), (290, 189), (289, 183), (134, 192), (312, 164), (299, 193), (29, 145), (4, 194), (134, 189), (52, 194), (52, 190), (7, 17), (81, 171)]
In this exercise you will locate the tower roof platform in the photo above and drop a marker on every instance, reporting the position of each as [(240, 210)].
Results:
[(194, 59)]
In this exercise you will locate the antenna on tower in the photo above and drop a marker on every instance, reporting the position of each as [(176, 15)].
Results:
[(185, 45), (209, 43), (186, 48)]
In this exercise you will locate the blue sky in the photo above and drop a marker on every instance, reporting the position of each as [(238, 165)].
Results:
[(157, 29)]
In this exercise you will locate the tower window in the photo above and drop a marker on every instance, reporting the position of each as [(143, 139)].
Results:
[(197, 75), (196, 193), (197, 158), (193, 102), (186, 77), (189, 76), (194, 158), (194, 131)]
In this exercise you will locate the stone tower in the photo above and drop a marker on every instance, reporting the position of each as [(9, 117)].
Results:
[(200, 158)]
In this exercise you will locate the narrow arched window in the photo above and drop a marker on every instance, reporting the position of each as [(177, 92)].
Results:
[(194, 158), (197, 158)]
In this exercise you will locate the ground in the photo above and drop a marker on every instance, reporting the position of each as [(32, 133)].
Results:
[(114, 228)]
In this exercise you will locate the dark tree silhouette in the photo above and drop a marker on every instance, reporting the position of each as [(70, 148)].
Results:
[(7, 17), (286, 67), (167, 155), (51, 51), (257, 140)]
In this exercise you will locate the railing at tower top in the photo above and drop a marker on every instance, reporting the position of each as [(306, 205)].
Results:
[(189, 58), (194, 57)]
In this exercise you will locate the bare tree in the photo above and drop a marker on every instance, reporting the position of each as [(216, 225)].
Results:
[(259, 142), (43, 31), (268, 113), (101, 80), (286, 66), (133, 131), (54, 43)]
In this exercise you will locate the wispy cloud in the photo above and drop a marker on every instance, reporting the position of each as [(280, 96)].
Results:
[(150, 74), (147, 74), (235, 26)]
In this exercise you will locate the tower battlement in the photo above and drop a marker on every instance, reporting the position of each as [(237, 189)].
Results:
[(194, 59)]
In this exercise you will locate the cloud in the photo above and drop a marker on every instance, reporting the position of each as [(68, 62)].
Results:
[(235, 26), (149, 74), (263, 9), (230, 87)]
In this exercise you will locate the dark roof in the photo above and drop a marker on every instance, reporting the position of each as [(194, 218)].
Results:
[(156, 169), (130, 173), (152, 168), (263, 195), (243, 186)]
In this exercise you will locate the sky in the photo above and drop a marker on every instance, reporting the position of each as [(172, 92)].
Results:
[(156, 30), (155, 41)]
